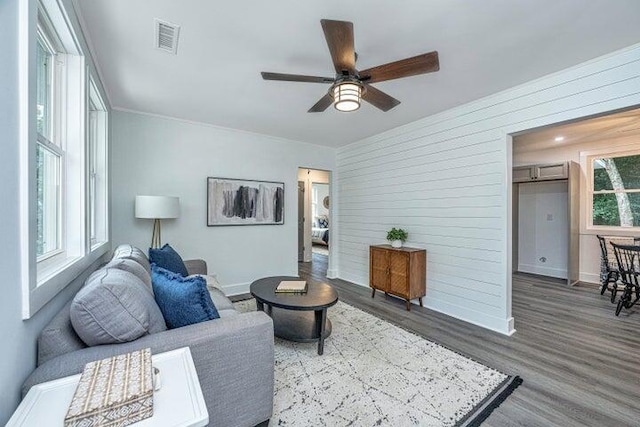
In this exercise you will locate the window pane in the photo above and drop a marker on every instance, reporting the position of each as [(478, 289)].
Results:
[(616, 210), (48, 200), (619, 173), (43, 89)]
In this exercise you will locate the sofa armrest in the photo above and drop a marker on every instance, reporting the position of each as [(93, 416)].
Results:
[(196, 266), (232, 355)]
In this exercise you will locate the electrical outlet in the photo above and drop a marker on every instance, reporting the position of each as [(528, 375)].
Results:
[(549, 217)]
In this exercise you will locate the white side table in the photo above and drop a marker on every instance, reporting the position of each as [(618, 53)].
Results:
[(178, 403)]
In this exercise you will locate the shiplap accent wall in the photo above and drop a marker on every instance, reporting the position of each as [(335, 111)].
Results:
[(447, 180)]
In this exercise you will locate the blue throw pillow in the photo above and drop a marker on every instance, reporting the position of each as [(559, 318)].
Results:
[(167, 258), (182, 300)]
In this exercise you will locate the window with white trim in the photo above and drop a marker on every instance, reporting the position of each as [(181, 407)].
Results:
[(314, 202), (614, 190), (63, 150), (49, 154), (97, 137)]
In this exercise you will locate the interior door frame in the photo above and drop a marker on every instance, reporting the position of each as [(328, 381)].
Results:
[(332, 272)]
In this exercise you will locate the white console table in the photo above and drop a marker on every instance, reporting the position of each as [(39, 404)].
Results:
[(179, 402)]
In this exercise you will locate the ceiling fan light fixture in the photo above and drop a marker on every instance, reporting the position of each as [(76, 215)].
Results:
[(347, 96)]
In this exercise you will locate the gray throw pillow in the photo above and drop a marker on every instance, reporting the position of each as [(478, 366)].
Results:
[(114, 306), (126, 264), (131, 252)]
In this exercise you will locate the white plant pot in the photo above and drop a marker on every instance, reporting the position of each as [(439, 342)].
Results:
[(396, 243)]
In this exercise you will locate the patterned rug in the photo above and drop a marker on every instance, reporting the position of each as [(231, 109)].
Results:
[(373, 373)]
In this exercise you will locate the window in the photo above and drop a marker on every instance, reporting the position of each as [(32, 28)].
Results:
[(50, 145), (63, 151), (615, 190), (314, 202), (97, 166), (49, 156)]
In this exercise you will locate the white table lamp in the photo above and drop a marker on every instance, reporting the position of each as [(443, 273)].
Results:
[(157, 208)]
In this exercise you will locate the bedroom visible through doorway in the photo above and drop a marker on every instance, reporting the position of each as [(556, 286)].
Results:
[(314, 221)]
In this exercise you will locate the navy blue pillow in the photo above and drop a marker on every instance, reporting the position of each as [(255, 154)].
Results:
[(167, 258), (182, 300)]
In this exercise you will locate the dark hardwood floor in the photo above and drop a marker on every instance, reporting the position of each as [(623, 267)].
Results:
[(580, 364)]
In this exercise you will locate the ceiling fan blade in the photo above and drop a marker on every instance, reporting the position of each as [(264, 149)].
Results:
[(339, 35), (421, 64), (296, 78), (379, 99), (321, 105)]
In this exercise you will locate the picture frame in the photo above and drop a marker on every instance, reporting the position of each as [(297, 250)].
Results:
[(233, 202)]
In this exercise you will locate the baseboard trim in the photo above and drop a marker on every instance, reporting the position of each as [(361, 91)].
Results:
[(590, 278), (543, 271), (236, 289), (499, 325)]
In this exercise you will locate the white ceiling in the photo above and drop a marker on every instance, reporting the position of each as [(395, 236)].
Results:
[(619, 125), (484, 47)]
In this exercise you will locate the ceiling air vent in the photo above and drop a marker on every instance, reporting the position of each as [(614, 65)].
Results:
[(167, 36)]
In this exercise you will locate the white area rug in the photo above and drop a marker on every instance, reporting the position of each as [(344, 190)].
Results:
[(373, 373)]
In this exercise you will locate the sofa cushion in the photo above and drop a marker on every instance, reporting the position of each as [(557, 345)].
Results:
[(133, 267), (58, 337), (114, 306), (167, 258), (131, 252), (182, 300)]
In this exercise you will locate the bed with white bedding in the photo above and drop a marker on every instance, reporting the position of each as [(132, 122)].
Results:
[(320, 230)]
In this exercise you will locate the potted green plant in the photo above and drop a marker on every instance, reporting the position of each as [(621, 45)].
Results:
[(397, 236)]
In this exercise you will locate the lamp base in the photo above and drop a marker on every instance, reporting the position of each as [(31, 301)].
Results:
[(155, 237)]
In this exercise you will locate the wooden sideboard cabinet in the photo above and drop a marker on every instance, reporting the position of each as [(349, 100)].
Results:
[(401, 272)]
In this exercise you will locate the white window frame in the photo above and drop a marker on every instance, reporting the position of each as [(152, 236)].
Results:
[(55, 120), (314, 202), (586, 161), (43, 279), (97, 172)]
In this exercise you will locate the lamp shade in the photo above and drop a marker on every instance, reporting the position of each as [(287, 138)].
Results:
[(157, 207)]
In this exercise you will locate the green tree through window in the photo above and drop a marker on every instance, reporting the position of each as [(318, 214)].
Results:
[(616, 191)]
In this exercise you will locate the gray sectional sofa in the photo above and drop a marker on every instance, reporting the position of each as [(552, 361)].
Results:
[(233, 355)]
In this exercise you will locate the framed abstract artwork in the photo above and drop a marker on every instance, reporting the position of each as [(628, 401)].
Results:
[(244, 202)]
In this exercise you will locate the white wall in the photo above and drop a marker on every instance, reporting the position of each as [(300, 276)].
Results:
[(543, 228), (446, 179), (527, 154), (309, 176), (163, 156), (18, 337)]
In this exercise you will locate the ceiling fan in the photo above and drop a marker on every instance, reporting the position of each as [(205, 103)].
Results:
[(349, 85)]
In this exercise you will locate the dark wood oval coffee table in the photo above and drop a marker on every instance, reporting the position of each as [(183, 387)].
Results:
[(296, 317)]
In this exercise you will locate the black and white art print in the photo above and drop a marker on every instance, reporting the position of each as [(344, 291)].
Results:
[(244, 202)]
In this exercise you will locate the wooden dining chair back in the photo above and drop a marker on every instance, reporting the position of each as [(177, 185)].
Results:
[(628, 260), (609, 275)]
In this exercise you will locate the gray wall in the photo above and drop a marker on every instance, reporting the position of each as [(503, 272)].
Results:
[(162, 156)]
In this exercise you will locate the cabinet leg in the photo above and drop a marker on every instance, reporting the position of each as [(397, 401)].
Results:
[(373, 292), (408, 305), (420, 299), (386, 295)]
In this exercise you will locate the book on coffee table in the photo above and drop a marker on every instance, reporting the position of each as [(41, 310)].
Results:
[(292, 287)]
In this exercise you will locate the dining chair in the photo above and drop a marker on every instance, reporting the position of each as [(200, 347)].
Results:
[(628, 259), (609, 274)]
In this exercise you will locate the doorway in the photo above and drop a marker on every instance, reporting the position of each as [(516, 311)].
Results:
[(314, 217)]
